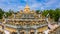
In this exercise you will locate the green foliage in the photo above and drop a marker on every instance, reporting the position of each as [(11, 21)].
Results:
[(45, 12), (37, 11), (1, 13), (57, 14), (54, 14), (51, 13), (9, 13)]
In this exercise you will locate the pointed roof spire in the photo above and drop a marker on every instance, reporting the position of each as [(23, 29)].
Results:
[(27, 5), (27, 8)]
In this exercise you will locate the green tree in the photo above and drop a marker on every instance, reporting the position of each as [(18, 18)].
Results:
[(57, 14), (1, 13), (54, 14), (51, 13), (45, 12), (9, 13), (37, 11)]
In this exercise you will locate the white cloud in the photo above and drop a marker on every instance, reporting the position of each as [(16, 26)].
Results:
[(20, 7), (50, 2), (36, 5), (32, 3)]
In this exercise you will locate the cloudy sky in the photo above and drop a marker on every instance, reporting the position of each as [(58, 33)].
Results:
[(17, 5)]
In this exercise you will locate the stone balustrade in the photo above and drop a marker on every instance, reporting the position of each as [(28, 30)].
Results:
[(25, 19), (26, 26)]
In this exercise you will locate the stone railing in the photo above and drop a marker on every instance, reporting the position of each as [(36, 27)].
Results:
[(25, 19), (26, 26)]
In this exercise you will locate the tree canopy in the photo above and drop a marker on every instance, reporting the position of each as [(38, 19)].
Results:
[(54, 14), (1, 13)]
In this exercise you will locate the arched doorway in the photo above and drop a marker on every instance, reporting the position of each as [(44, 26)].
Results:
[(32, 33), (14, 33), (21, 32)]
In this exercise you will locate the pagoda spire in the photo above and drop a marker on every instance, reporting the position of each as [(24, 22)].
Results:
[(26, 5), (27, 8)]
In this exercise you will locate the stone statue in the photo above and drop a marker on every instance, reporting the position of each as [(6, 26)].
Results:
[(47, 17), (4, 15)]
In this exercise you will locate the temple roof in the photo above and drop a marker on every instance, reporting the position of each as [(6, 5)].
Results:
[(27, 9)]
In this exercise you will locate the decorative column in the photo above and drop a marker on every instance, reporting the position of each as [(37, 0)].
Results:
[(27, 31), (18, 32), (36, 31)]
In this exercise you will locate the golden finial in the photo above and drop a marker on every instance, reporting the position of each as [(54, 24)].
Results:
[(26, 5), (27, 8)]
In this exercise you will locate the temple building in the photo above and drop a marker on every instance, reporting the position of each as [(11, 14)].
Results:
[(24, 22)]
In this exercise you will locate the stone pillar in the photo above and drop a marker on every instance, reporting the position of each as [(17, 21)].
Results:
[(27, 31), (18, 32), (36, 31)]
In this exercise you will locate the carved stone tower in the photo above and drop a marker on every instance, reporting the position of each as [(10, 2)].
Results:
[(27, 9)]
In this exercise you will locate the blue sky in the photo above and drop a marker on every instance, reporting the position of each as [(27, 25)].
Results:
[(17, 5)]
